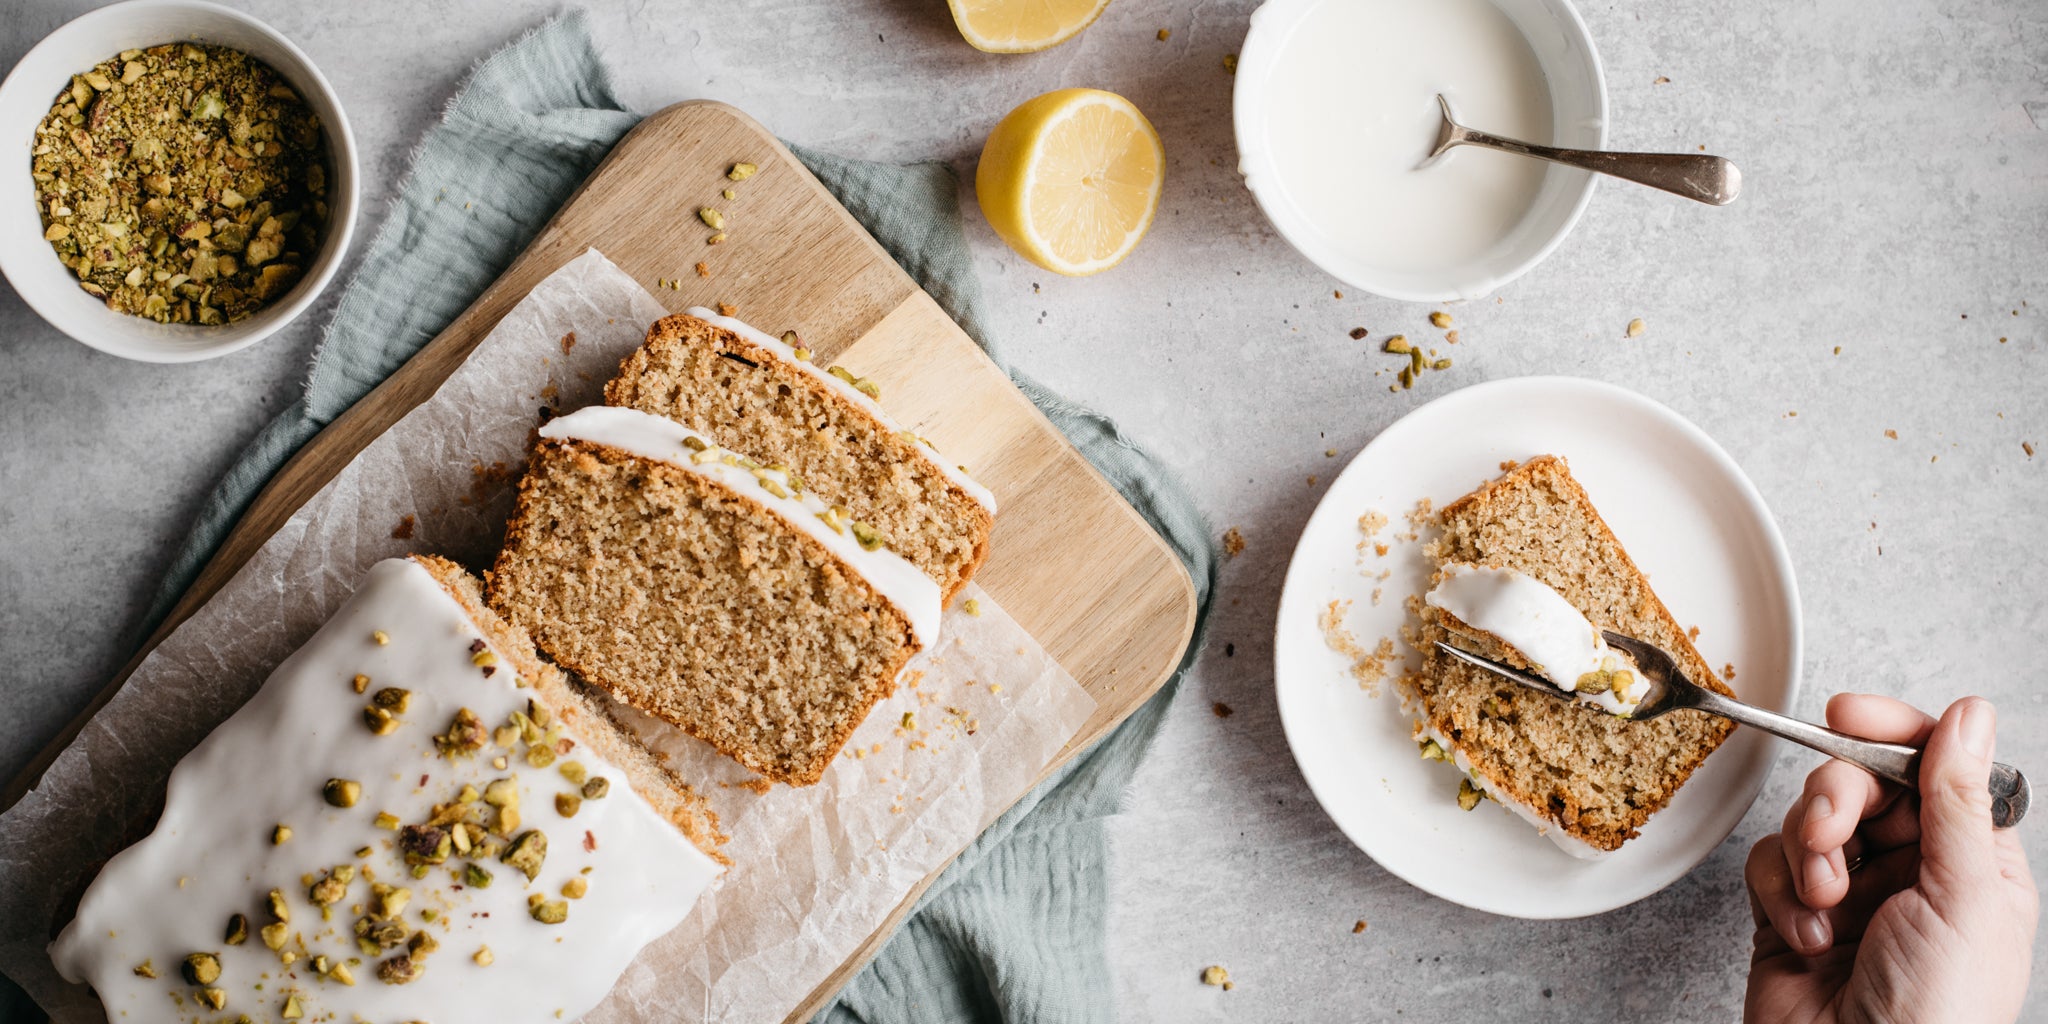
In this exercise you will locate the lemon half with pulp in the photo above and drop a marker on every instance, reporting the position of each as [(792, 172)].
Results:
[(1023, 26), (1071, 179)]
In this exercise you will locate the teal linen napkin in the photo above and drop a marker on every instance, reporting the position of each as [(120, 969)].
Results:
[(1015, 928)]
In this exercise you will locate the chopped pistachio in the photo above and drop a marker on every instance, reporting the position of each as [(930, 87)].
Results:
[(1441, 364), (279, 909), (597, 788), (540, 755), (741, 171), (341, 973), (393, 699), (238, 929), (425, 844), (380, 721), (364, 851), (201, 968), (292, 1010), (483, 658), (399, 970), (1398, 345), (422, 942), (361, 682), (730, 194), (379, 637), (1432, 751), (1440, 319), (576, 888), (548, 911), (712, 218), (527, 853), (717, 238), (1468, 795), (567, 804), (476, 876), (573, 771), (214, 998), (328, 891), (483, 956), (467, 795), (386, 821), (342, 792), (1635, 328), (870, 539), (280, 835), (145, 969), (389, 900), (972, 607), (1598, 681)]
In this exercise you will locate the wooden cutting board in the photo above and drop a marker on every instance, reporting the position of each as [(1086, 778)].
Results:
[(1069, 560)]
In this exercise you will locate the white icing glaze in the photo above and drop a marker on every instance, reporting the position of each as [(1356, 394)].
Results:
[(1549, 829), (1528, 616), (211, 854), (664, 440), (787, 354)]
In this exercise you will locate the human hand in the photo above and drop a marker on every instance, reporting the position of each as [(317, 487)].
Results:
[(1876, 905)]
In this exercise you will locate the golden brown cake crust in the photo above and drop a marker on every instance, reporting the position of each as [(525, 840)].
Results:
[(770, 709), (586, 713), (750, 400), (1600, 777)]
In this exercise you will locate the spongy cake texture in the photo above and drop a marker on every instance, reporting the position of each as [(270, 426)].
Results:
[(1597, 776), (751, 400), (697, 605), (585, 713)]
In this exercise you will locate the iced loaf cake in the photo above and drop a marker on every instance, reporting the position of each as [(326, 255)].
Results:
[(708, 590), (413, 819), (1529, 557), (754, 393)]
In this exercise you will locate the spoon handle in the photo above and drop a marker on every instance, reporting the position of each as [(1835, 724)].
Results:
[(1708, 179), (1890, 761)]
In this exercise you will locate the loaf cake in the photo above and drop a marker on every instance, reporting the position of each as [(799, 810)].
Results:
[(761, 395), (708, 590), (1579, 770), (414, 818)]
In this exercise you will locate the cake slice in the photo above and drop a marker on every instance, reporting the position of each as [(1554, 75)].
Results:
[(760, 395), (414, 818), (1582, 772), (708, 590)]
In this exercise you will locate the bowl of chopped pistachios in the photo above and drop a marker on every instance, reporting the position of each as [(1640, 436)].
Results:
[(185, 183)]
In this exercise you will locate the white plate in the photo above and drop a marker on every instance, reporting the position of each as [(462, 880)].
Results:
[(1692, 522)]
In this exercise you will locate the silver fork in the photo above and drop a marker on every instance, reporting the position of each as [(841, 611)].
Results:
[(1670, 690)]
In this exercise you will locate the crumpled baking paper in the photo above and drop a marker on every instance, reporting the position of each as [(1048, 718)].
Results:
[(815, 870)]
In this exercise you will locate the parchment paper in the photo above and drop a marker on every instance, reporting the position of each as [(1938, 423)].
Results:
[(815, 869)]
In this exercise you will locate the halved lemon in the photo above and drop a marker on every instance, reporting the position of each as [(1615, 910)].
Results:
[(1071, 180), (1023, 26)]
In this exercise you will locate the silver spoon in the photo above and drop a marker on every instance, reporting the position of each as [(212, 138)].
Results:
[(1709, 179), (1670, 690)]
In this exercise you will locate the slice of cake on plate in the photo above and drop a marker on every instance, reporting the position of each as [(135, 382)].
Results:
[(709, 590), (1528, 574), (754, 393), (414, 818)]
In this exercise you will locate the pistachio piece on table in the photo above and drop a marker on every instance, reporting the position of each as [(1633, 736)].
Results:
[(342, 792), (527, 853), (201, 968), (238, 930), (597, 788)]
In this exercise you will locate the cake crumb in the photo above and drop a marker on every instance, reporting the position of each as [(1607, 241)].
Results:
[(1508, 464), (1368, 667), (1693, 633), (1214, 974), (1451, 337), (1163, 33), (1372, 522), (2028, 447), (1636, 328), (1728, 672), (403, 531), (727, 309), (1359, 333), (1380, 550), (703, 269), (1311, 480), (1233, 542), (1220, 709), (1359, 927), (568, 342), (1892, 434), (1660, 80)]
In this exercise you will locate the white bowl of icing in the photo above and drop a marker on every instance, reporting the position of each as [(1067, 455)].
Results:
[(1335, 111)]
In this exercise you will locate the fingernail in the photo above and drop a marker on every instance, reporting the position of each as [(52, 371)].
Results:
[(1978, 728), (1813, 931), (1819, 871), (1819, 809)]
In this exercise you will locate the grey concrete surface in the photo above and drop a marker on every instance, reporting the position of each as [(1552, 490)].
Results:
[(1897, 207)]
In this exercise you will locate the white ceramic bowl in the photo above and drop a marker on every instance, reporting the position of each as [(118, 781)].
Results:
[(32, 267), (1578, 99)]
